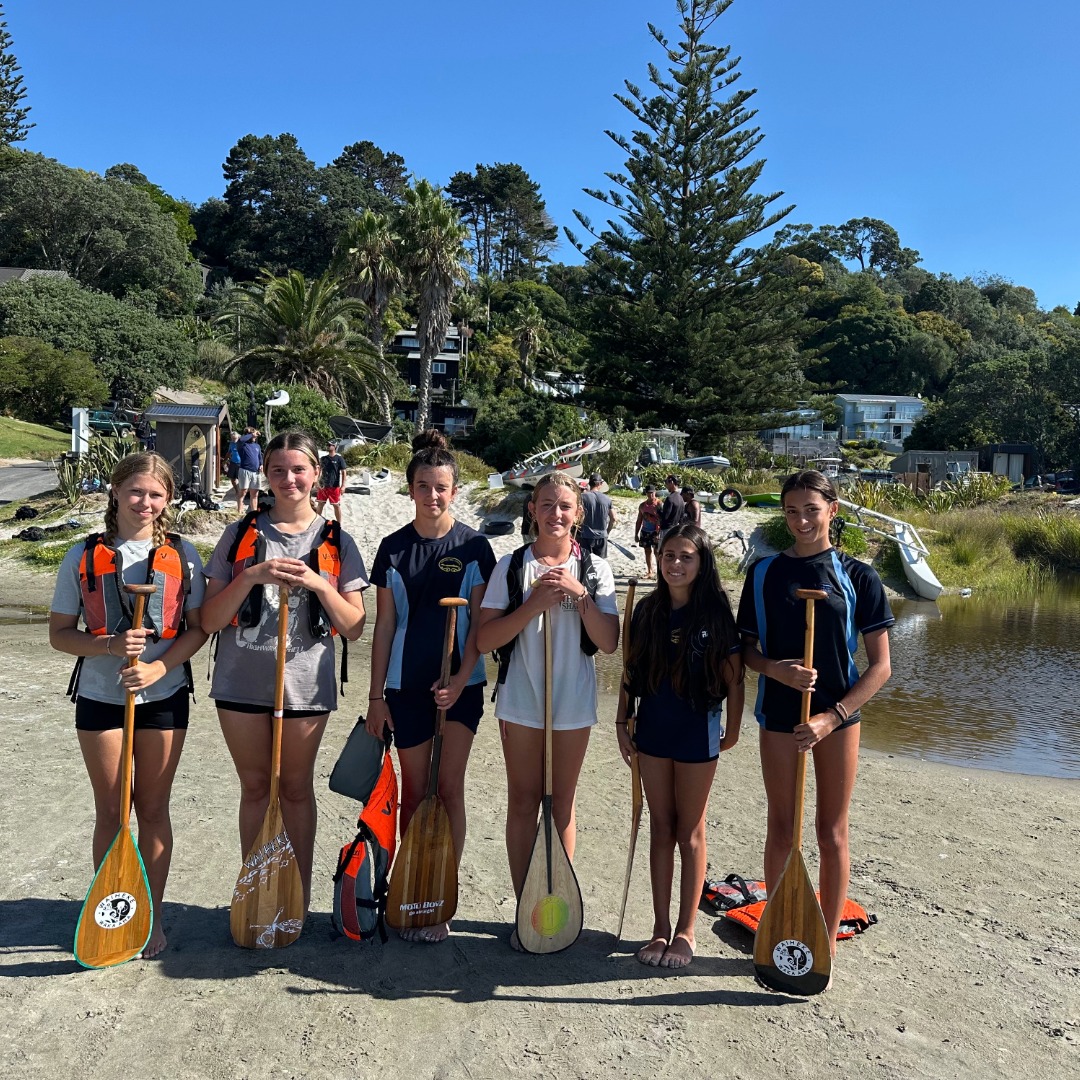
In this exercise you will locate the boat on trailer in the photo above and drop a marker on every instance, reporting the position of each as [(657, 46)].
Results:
[(913, 553), (568, 458)]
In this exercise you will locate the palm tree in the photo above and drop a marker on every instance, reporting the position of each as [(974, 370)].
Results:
[(528, 329), (467, 310), (367, 261), (433, 243), (300, 333)]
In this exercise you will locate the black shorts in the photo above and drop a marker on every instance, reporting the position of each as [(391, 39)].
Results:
[(232, 470), (169, 714), (262, 710), (787, 726), (414, 712), (650, 540)]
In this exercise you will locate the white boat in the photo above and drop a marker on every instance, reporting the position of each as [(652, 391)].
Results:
[(913, 553), (707, 463), (568, 459)]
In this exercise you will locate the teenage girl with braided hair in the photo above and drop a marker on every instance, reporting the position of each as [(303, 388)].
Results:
[(684, 664), (551, 589), (432, 558), (136, 531)]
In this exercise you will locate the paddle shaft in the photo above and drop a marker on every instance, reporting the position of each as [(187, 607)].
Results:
[(140, 592), (548, 727), (451, 603), (279, 690), (811, 596), (635, 767)]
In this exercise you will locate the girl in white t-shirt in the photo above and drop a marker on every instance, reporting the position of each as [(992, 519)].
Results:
[(552, 589)]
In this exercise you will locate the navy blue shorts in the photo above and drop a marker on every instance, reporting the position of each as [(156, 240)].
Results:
[(169, 714), (680, 735), (414, 712), (262, 710)]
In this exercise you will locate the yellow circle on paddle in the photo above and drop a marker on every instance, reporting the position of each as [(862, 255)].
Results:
[(550, 915)]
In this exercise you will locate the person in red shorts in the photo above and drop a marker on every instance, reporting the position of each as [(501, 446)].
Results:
[(331, 481)]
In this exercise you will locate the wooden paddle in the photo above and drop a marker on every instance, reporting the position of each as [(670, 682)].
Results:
[(423, 884), (549, 912), (118, 912), (635, 768), (267, 909), (791, 947)]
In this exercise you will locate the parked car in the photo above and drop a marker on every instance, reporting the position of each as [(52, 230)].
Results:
[(110, 422), (1067, 482)]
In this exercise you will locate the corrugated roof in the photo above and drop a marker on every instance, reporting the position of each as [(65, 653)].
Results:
[(213, 413)]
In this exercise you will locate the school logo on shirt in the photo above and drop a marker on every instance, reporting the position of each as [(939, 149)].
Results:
[(676, 637), (450, 565)]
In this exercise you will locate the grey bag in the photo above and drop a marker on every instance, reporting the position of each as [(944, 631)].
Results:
[(359, 763)]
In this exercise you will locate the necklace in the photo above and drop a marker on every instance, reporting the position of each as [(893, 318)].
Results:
[(549, 560)]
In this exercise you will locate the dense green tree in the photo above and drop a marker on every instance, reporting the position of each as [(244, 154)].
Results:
[(180, 210), (510, 231), (308, 410), (435, 257), (13, 113), (38, 382), (511, 424), (107, 234), (299, 332), (528, 328), (367, 261), (378, 177), (691, 325), (133, 350)]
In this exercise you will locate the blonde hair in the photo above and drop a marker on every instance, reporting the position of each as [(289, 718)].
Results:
[(145, 463), (557, 479)]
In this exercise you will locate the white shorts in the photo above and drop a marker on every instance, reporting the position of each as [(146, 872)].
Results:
[(248, 480)]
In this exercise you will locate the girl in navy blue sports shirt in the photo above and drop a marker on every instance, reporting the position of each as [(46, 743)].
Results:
[(684, 662), (772, 621), (432, 558)]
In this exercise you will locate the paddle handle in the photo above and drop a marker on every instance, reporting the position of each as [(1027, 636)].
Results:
[(279, 689), (140, 592), (451, 603), (628, 613), (547, 706), (811, 596)]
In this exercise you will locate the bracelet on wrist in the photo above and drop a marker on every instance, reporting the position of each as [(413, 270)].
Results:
[(838, 714), (108, 644), (620, 723), (379, 698), (842, 711)]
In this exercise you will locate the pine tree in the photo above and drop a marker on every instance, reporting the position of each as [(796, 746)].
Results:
[(689, 325), (13, 114)]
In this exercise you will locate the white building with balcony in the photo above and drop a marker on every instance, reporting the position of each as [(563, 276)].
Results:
[(888, 418)]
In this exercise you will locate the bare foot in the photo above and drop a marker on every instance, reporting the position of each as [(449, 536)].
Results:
[(679, 953), (515, 943), (653, 953), (410, 933), (155, 946), (432, 935)]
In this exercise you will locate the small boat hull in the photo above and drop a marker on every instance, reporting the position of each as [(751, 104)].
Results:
[(768, 499), (707, 463), (916, 569)]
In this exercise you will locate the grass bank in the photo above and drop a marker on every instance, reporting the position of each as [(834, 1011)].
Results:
[(35, 442)]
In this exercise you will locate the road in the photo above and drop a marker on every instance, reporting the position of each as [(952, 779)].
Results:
[(26, 478)]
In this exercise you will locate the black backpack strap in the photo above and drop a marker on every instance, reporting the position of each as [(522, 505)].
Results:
[(91, 542), (588, 576), (515, 591), (73, 682)]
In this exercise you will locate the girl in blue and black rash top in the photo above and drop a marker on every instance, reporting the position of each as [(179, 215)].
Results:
[(772, 621), (433, 558), (684, 662)]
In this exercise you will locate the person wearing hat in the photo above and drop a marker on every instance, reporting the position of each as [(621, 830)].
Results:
[(647, 528), (597, 520), (331, 481)]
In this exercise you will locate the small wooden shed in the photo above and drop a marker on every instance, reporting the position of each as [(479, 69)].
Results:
[(182, 429)]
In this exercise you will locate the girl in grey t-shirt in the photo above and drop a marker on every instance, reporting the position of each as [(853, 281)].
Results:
[(136, 523), (242, 603)]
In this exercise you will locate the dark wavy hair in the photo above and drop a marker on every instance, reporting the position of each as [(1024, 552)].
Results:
[(708, 609), (430, 451)]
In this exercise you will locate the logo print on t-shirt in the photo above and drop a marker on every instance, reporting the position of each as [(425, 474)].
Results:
[(450, 565)]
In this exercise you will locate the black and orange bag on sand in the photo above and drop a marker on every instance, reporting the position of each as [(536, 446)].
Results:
[(364, 864), (744, 901)]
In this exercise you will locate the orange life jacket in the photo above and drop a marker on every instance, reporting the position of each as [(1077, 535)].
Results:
[(107, 608), (249, 548), (854, 918)]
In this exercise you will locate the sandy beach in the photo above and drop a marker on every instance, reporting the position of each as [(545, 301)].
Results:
[(973, 969)]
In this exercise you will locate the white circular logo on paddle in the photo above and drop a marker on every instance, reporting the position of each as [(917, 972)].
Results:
[(115, 910), (792, 957)]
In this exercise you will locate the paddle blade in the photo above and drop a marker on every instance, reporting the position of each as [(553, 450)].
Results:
[(635, 823), (791, 947), (268, 900), (117, 914), (423, 887), (549, 911)]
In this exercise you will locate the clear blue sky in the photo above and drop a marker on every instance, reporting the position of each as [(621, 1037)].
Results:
[(953, 120)]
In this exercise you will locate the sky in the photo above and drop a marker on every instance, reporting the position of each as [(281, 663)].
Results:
[(953, 120)]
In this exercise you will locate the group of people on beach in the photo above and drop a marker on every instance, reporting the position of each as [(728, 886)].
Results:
[(686, 659)]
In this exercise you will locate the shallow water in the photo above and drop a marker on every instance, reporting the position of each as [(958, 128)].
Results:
[(977, 681)]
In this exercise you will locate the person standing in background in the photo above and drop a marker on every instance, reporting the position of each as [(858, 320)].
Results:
[(250, 465), (599, 518), (672, 511), (691, 514), (232, 470), (331, 481)]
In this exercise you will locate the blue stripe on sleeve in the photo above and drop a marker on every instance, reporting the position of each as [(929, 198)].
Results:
[(396, 585)]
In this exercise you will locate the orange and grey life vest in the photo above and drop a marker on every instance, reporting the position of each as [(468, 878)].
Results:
[(249, 548), (107, 609)]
